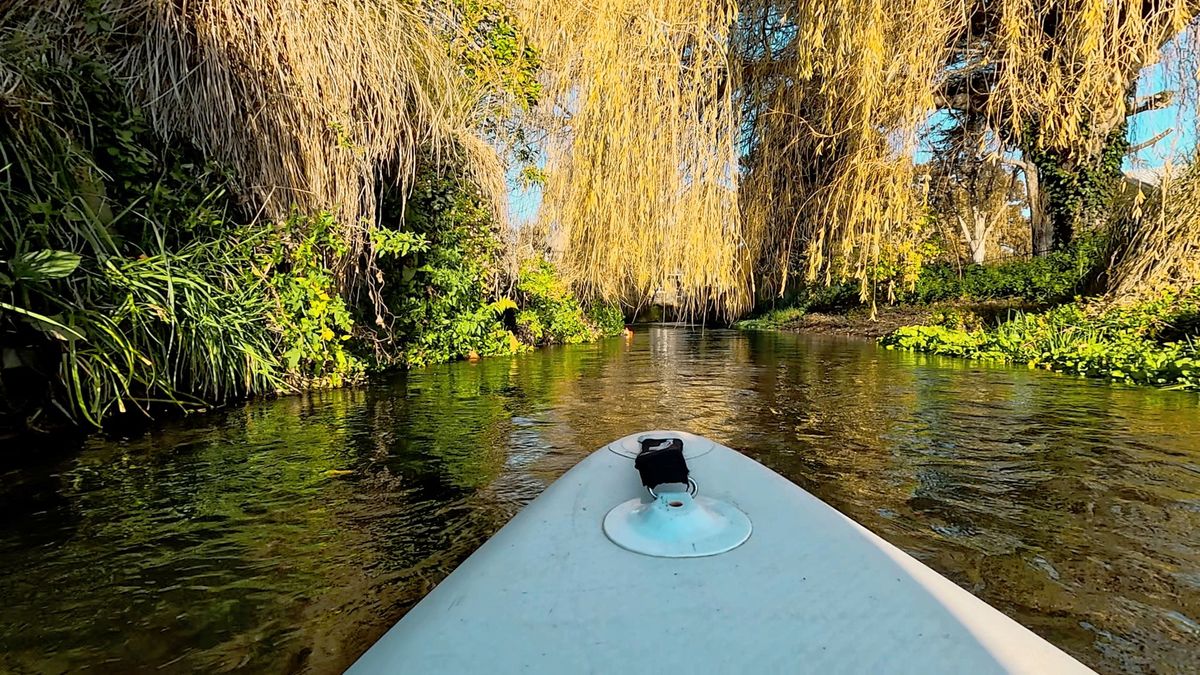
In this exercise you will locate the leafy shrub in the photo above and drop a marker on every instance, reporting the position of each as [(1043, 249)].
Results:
[(1138, 345), (122, 287), (1047, 279), (606, 318), (438, 269), (551, 313), (312, 318)]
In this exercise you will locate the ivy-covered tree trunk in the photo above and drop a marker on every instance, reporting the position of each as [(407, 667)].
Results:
[(1076, 191)]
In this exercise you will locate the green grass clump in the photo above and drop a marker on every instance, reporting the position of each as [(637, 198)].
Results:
[(803, 300), (773, 319), (1153, 343)]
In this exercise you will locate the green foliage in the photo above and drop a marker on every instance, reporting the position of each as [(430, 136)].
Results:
[(606, 318), (116, 294), (773, 319), (312, 319), (553, 315), (1052, 278), (129, 283), (184, 328), (1152, 343), (956, 319), (437, 280), (488, 45)]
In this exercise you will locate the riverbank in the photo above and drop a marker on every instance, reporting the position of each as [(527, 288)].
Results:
[(1028, 313), (1149, 343), (1154, 342), (142, 275), (887, 319)]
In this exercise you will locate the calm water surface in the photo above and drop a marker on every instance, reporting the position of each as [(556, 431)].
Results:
[(287, 535)]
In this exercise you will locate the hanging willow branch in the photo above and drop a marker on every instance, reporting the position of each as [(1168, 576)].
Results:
[(643, 183), (311, 103), (834, 118), (732, 146)]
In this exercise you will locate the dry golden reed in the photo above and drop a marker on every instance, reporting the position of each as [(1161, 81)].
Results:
[(1164, 250)]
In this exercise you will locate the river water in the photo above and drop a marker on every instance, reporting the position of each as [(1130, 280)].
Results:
[(287, 535)]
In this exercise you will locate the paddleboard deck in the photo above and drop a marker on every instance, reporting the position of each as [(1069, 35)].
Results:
[(809, 591)]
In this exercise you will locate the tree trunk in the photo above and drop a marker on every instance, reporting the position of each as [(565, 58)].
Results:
[(979, 250), (1077, 191), (977, 240), (1040, 227)]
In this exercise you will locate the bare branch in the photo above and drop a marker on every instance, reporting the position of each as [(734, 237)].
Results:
[(1145, 144), (1156, 101)]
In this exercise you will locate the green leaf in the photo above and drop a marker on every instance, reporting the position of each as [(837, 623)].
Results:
[(503, 305), (43, 265), (45, 323)]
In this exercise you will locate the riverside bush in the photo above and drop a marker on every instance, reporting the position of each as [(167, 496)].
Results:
[(1151, 343), (551, 314), (1048, 279)]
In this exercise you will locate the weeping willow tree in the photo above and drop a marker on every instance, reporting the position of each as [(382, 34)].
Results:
[(315, 104), (644, 167), (729, 147), (1056, 80), (833, 96)]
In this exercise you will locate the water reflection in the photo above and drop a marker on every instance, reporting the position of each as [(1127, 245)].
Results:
[(289, 534)]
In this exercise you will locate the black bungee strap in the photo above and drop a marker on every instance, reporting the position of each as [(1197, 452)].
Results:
[(661, 461)]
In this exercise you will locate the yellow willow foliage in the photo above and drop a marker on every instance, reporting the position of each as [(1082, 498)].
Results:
[(311, 103), (1164, 251), (642, 182), (835, 116), (733, 145), (1067, 65)]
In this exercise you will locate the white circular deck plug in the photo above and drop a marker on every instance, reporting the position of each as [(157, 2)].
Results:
[(677, 525)]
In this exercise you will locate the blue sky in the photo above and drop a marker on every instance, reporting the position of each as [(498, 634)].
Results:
[(1174, 148)]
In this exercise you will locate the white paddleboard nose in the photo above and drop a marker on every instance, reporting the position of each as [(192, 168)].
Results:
[(679, 523)]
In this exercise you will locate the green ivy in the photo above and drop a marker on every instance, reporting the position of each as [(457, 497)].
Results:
[(1078, 192)]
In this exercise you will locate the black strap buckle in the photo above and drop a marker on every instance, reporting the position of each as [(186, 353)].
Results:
[(661, 461)]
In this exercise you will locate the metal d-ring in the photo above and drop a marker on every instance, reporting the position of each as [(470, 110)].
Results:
[(693, 488)]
